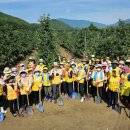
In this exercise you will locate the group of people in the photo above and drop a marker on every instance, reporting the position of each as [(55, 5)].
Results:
[(23, 86)]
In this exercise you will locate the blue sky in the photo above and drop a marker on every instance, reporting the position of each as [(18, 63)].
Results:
[(103, 11)]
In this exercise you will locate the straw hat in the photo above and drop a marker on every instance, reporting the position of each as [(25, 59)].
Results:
[(30, 69), (128, 60), (14, 69), (23, 71), (56, 64), (41, 61), (92, 56), (114, 62), (8, 77), (7, 70), (61, 63), (121, 62), (107, 58)]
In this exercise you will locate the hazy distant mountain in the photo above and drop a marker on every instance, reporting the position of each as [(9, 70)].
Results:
[(80, 23), (55, 24), (127, 21)]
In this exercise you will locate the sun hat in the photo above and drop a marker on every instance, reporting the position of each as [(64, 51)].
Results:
[(7, 70)]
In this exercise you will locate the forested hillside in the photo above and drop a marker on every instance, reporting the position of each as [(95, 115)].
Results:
[(110, 41), (18, 38)]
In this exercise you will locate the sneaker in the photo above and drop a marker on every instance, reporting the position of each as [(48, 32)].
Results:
[(113, 107), (82, 99), (14, 115)]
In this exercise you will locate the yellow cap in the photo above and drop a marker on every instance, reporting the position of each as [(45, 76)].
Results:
[(45, 68), (80, 65)]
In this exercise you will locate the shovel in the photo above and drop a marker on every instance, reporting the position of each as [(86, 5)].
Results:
[(2, 116), (74, 93), (78, 96), (40, 105), (97, 98), (29, 109), (118, 107), (87, 96), (60, 100)]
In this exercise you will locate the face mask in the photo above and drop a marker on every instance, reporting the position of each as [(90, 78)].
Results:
[(15, 73), (61, 66), (73, 66), (37, 74), (98, 69), (23, 75), (11, 84)]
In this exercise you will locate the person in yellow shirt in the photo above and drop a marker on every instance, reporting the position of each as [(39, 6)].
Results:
[(46, 84), (36, 86), (40, 66), (23, 84), (2, 96), (125, 89), (63, 77), (56, 81), (113, 89), (69, 79), (97, 80), (12, 93), (81, 80)]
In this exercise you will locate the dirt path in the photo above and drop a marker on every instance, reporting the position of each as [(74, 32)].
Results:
[(65, 53), (74, 115)]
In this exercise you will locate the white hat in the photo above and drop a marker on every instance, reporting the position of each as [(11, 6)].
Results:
[(56, 64), (41, 60), (14, 69), (121, 62), (7, 70), (93, 56)]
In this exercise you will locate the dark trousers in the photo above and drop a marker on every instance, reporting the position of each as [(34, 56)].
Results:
[(42, 93), (1, 101), (100, 91), (23, 100), (81, 89), (70, 88), (64, 87), (112, 98), (13, 106), (55, 90), (35, 97), (75, 86)]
